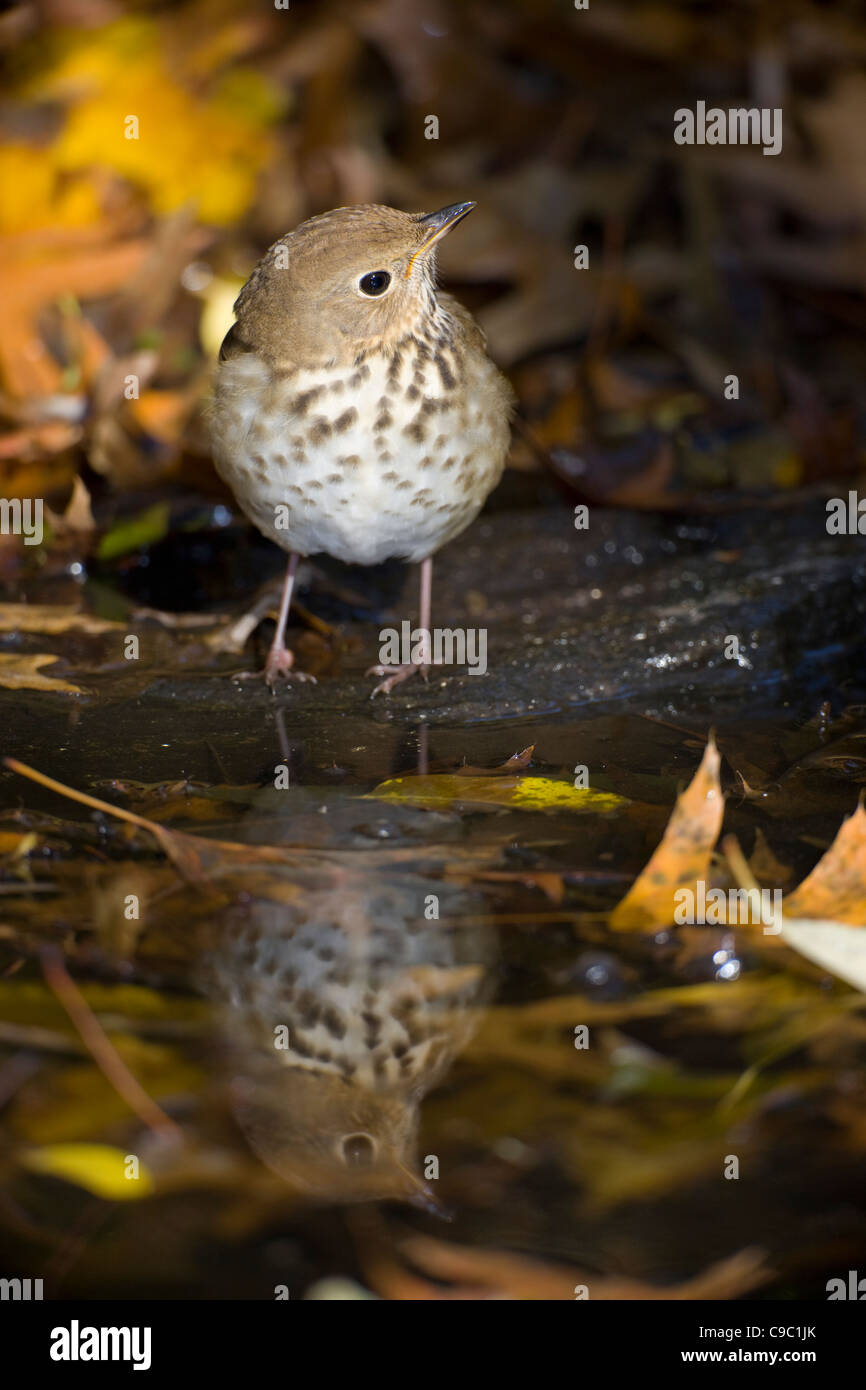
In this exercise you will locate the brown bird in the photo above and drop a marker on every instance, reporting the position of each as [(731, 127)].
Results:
[(355, 409)]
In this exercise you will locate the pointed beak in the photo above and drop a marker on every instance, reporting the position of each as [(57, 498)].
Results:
[(438, 224), (420, 1194)]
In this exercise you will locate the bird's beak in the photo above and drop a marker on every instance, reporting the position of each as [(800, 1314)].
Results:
[(437, 224), (421, 1195)]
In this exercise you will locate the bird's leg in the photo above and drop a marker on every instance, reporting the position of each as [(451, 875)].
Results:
[(281, 660), (394, 675), (234, 637)]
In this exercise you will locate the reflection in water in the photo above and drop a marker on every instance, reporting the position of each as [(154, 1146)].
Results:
[(341, 1009)]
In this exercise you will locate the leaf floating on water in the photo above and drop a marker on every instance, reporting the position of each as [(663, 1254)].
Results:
[(22, 672), (683, 857), (825, 919), (839, 949), (439, 790), (99, 1168), (835, 890), (51, 618)]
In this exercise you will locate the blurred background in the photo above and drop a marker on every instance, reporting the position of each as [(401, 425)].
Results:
[(149, 153)]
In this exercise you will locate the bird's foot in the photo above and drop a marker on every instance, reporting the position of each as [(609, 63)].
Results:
[(280, 665), (395, 675)]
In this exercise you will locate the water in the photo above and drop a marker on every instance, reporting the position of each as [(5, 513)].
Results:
[(310, 1162)]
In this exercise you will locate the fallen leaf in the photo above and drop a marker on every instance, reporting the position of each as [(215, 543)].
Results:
[(519, 793), (839, 949), (18, 672), (835, 890), (683, 857), (51, 618), (99, 1168)]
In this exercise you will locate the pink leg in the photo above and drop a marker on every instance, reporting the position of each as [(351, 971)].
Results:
[(426, 604), (280, 660), (394, 675)]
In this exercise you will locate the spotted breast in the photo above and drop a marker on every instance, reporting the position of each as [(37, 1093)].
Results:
[(384, 458)]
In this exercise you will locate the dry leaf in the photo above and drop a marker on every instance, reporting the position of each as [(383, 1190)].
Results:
[(23, 673), (839, 949), (51, 618), (683, 857), (835, 890)]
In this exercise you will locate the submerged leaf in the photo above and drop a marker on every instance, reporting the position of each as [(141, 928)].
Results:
[(519, 793), (99, 1168), (133, 532)]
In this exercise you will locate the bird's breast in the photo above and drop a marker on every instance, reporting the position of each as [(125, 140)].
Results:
[(391, 457)]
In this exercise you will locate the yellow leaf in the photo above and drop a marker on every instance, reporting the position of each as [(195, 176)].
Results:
[(520, 793), (181, 134), (99, 1168), (23, 673)]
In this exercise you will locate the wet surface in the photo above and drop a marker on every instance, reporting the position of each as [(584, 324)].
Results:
[(430, 964)]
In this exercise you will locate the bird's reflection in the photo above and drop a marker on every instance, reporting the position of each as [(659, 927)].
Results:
[(341, 1007)]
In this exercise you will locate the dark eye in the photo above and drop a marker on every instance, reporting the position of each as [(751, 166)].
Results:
[(376, 282), (359, 1151)]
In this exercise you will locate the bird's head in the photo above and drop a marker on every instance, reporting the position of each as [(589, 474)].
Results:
[(330, 1140), (343, 282)]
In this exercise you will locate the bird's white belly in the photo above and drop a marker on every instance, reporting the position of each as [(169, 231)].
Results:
[(356, 463)]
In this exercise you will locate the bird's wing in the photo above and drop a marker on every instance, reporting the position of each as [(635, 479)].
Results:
[(233, 345)]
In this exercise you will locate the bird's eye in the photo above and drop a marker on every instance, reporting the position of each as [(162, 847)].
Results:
[(374, 283), (358, 1151)]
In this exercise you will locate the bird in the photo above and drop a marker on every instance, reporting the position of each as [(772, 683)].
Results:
[(340, 1005), (355, 411)]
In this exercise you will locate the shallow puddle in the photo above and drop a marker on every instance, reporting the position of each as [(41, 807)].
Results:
[(414, 1019)]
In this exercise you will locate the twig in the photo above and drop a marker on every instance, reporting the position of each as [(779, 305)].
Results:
[(102, 1050)]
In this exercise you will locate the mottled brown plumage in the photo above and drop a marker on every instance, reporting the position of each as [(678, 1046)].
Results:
[(342, 1005), (355, 410)]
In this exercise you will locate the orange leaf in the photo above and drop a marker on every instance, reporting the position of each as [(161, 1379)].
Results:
[(835, 890), (683, 856)]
